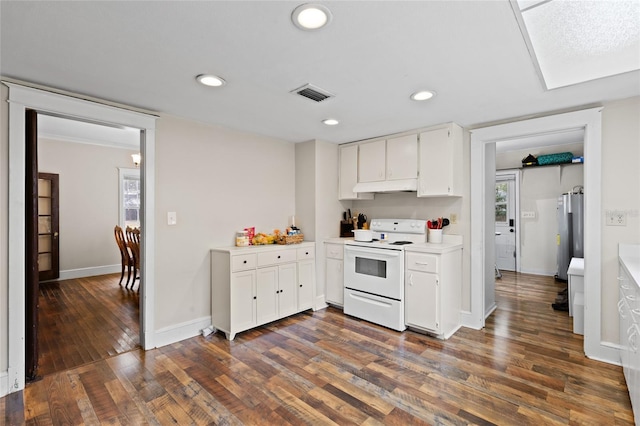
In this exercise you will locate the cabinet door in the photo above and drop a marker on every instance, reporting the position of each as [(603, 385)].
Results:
[(243, 303), (402, 157), (266, 294), (422, 305), (371, 161), (306, 279), (435, 163), (335, 282), (349, 175), (287, 290)]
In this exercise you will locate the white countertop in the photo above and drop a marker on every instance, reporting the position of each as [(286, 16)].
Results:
[(629, 255), (576, 267), (263, 248)]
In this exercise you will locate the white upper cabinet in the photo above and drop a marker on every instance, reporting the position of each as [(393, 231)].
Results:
[(371, 167), (349, 174), (391, 159), (441, 162), (402, 157)]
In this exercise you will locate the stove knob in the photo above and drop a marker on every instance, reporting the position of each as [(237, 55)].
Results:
[(413, 224)]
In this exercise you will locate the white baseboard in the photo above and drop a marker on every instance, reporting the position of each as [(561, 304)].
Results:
[(4, 383), (175, 333), (320, 303), (468, 320), (537, 272), (70, 274)]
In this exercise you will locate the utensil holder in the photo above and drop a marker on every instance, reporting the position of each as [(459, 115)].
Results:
[(435, 236)]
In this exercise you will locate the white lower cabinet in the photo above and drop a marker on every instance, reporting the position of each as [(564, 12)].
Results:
[(334, 274), (433, 289), (629, 311), (251, 286)]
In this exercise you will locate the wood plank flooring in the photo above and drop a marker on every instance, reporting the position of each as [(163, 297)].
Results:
[(525, 367), (84, 320)]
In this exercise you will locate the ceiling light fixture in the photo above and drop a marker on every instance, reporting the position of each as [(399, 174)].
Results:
[(210, 80), (330, 121), (423, 95), (311, 16)]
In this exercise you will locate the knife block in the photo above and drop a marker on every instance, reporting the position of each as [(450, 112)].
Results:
[(346, 228)]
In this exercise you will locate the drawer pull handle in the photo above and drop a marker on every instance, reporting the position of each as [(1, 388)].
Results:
[(300, 285), (254, 297), (278, 256), (422, 263), (306, 252), (244, 261)]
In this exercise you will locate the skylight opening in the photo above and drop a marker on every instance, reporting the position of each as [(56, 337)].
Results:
[(576, 41)]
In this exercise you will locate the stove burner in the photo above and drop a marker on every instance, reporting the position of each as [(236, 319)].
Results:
[(400, 243)]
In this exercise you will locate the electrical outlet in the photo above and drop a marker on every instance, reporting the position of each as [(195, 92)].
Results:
[(616, 218), (172, 218), (453, 218)]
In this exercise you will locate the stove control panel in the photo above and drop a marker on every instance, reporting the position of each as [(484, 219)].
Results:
[(402, 226)]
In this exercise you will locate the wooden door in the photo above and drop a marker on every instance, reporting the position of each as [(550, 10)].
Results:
[(32, 288), (48, 227)]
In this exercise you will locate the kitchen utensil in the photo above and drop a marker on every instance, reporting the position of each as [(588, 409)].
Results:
[(439, 223), (429, 226), (349, 217), (362, 219), (362, 234), (344, 216), (445, 222)]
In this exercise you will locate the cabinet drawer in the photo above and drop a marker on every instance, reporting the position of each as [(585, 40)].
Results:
[(243, 262), (306, 253), (276, 257), (422, 262), (334, 251)]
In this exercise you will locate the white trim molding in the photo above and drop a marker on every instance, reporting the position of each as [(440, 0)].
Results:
[(178, 332), (482, 141), (22, 98)]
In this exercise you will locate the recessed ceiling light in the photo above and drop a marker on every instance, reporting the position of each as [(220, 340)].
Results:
[(311, 16), (330, 121), (210, 80), (423, 95)]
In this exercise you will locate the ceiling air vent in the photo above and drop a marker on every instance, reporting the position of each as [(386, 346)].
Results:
[(312, 92)]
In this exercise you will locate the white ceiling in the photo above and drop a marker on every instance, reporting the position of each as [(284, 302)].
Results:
[(372, 56)]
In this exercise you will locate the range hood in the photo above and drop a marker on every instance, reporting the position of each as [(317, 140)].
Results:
[(400, 185)]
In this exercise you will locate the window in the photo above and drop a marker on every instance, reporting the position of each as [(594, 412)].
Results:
[(502, 189), (129, 181)]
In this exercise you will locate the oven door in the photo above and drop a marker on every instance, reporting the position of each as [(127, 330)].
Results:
[(375, 271)]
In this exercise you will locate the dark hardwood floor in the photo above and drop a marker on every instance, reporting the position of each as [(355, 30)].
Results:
[(84, 320), (525, 367)]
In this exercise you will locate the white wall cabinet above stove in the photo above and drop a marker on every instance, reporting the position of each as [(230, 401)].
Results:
[(251, 286), (441, 162), (433, 288), (391, 159), (349, 175)]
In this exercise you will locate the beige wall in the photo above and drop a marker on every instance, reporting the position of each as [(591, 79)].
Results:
[(89, 192), (217, 181), (620, 191), (540, 188)]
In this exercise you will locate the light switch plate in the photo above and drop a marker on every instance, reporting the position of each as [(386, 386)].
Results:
[(172, 218), (528, 215)]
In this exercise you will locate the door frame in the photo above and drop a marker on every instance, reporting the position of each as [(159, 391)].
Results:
[(22, 98), (482, 182), (516, 214)]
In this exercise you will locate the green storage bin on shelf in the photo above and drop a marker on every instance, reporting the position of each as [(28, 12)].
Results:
[(559, 158)]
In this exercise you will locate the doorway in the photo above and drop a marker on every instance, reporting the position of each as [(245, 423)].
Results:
[(48, 226), (483, 149), (22, 98), (507, 220)]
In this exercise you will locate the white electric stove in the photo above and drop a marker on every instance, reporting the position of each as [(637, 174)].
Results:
[(374, 271)]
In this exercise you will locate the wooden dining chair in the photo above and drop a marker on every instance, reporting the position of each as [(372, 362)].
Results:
[(126, 257), (133, 241)]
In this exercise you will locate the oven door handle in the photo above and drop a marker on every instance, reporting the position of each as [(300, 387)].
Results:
[(379, 254)]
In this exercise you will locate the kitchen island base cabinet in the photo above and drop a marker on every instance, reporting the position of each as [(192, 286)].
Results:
[(433, 291), (252, 286)]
